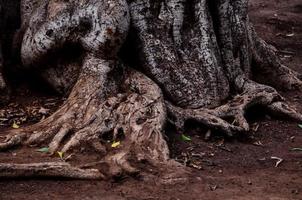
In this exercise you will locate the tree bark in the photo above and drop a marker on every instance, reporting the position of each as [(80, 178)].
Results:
[(195, 61)]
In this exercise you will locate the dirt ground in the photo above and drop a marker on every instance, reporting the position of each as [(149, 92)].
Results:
[(222, 168)]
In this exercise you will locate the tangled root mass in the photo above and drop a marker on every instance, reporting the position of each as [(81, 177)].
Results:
[(196, 62)]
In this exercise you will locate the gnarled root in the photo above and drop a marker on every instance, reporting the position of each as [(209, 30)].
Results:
[(254, 94), (135, 118)]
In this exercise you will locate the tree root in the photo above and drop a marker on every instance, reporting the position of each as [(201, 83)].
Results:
[(267, 63), (11, 142), (230, 117), (48, 169), (198, 54), (107, 105), (134, 118)]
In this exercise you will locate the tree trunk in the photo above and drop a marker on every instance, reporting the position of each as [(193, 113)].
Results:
[(197, 61)]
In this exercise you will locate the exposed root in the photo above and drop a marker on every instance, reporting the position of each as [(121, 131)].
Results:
[(269, 65), (219, 118), (11, 142), (198, 54), (106, 104), (135, 118), (204, 116), (284, 110), (119, 164), (48, 169)]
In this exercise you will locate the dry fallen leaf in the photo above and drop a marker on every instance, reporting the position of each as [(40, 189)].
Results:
[(279, 160), (60, 154), (15, 125), (115, 144), (258, 143)]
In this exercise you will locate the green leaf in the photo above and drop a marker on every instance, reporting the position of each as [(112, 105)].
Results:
[(43, 150), (60, 154), (296, 149), (300, 125), (185, 138), (115, 144)]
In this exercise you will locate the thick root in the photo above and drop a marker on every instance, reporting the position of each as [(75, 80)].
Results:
[(219, 118), (204, 116), (105, 106), (135, 119)]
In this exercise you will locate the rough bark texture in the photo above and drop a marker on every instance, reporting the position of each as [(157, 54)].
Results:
[(196, 59)]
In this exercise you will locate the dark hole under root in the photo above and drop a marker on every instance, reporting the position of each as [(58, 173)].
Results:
[(129, 53), (120, 134), (256, 113), (230, 120), (71, 52), (32, 79), (106, 136)]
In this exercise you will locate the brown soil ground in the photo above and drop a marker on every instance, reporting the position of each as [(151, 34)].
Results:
[(240, 168)]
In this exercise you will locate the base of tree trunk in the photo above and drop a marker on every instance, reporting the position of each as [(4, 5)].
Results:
[(198, 61), (134, 118)]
